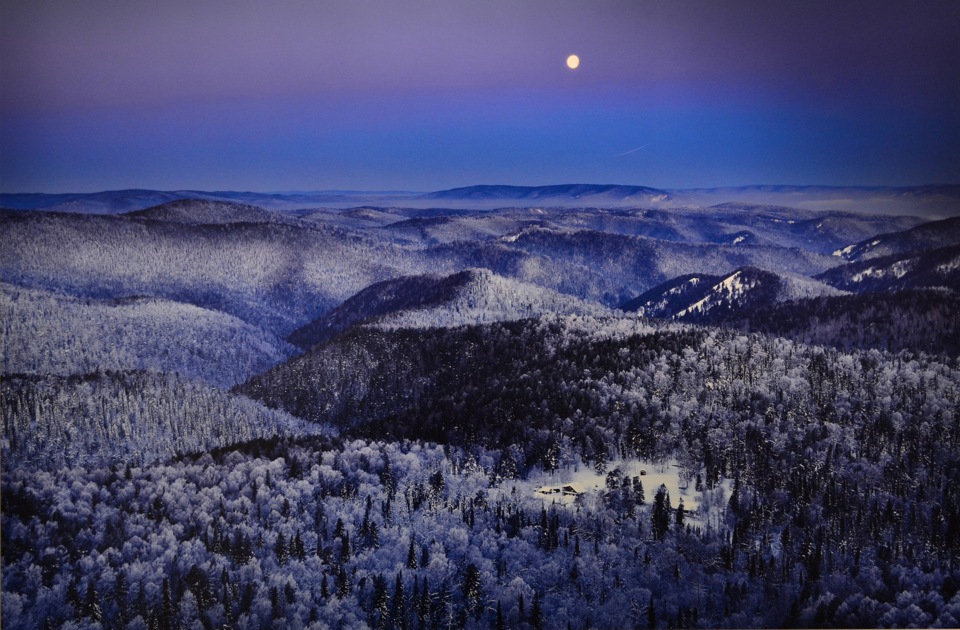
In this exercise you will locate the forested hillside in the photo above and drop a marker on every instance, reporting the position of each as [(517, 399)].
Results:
[(274, 276), (552, 386), (217, 415), (107, 418), (920, 321), (50, 333), (916, 269), (703, 298)]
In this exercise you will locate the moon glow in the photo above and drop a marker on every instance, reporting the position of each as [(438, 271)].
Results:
[(573, 62)]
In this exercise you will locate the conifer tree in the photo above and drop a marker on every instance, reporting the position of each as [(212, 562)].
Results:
[(411, 556), (91, 604), (398, 610), (661, 513)]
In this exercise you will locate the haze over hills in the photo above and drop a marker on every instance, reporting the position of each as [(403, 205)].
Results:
[(278, 270), (929, 201)]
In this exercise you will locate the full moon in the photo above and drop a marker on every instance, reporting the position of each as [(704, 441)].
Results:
[(573, 62)]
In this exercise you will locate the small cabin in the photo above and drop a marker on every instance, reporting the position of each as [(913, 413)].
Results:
[(566, 490)]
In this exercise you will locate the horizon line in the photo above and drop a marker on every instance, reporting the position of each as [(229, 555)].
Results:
[(356, 191)]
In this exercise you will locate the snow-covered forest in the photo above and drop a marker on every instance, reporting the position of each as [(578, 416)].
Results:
[(216, 416)]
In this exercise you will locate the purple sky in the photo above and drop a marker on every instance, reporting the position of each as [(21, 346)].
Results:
[(314, 94)]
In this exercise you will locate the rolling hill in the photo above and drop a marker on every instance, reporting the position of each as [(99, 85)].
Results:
[(472, 296), (911, 270), (51, 333), (132, 417), (713, 299), (930, 235), (276, 276)]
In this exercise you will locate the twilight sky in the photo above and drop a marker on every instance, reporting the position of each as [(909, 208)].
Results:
[(417, 95)]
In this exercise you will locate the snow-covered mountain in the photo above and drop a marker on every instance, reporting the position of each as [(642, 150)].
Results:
[(669, 298), (709, 298), (201, 211), (454, 361), (931, 202), (109, 418), (912, 270), (741, 225), (472, 296), (50, 333), (931, 235), (275, 276), (583, 195)]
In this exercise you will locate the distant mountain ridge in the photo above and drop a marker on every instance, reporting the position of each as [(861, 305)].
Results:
[(206, 212), (573, 191), (929, 201)]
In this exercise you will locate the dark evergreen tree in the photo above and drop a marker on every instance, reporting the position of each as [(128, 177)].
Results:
[(638, 491), (398, 609), (472, 593), (91, 604), (345, 551), (661, 513), (411, 556), (343, 583), (536, 612), (380, 603), (276, 606), (280, 549), (424, 556)]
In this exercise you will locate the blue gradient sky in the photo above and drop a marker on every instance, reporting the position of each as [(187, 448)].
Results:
[(366, 95)]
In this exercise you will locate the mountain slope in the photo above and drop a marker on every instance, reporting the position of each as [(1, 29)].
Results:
[(613, 268), (740, 225), (408, 292), (931, 235), (712, 299), (912, 270), (274, 276), (199, 211), (484, 297), (669, 298), (926, 320), (49, 333), (102, 419), (467, 297)]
